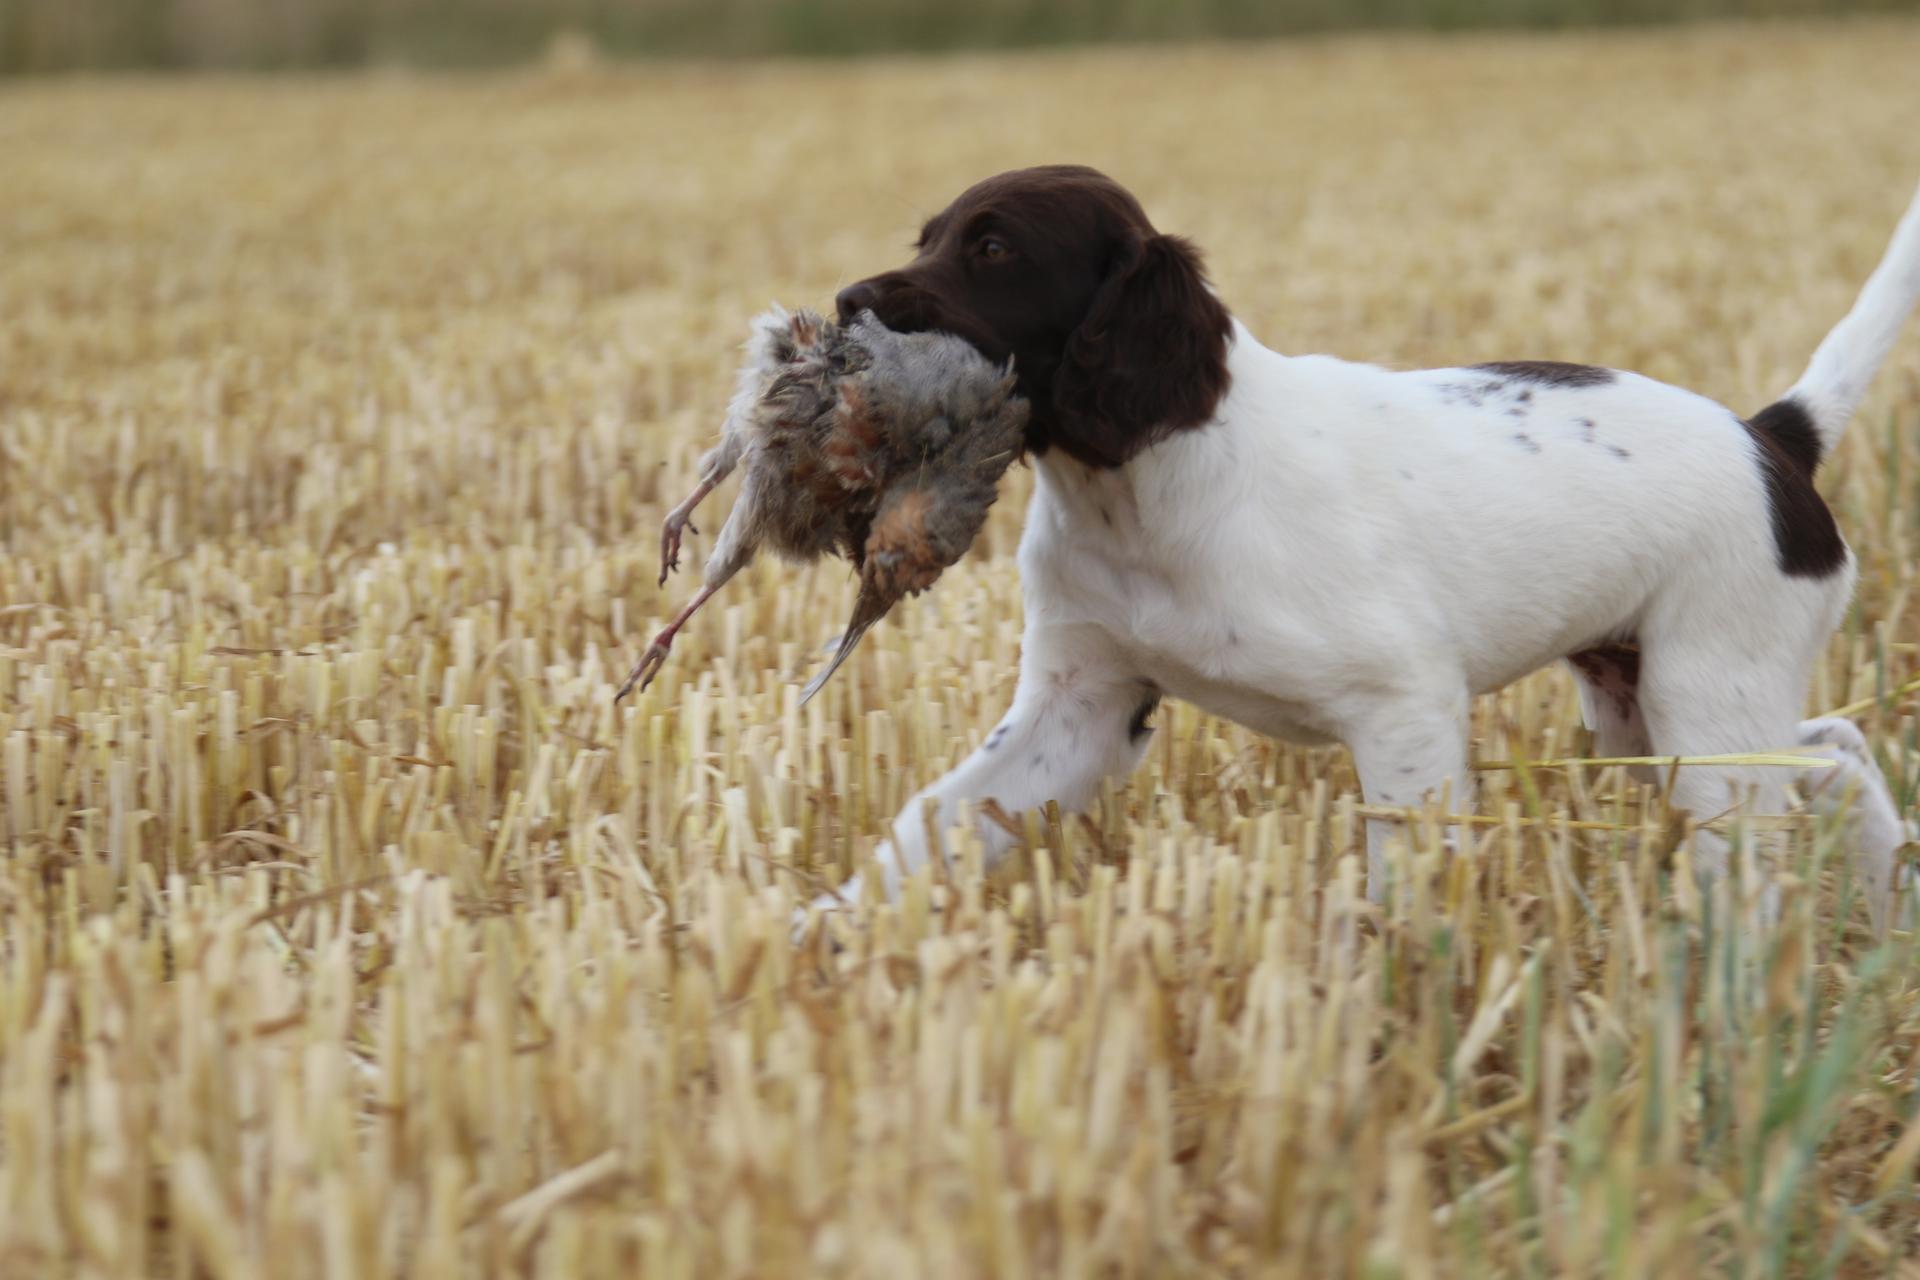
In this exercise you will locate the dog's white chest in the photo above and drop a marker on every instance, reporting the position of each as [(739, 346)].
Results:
[(1088, 559)]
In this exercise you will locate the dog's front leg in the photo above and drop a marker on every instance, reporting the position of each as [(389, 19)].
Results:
[(1078, 716), (1408, 749)]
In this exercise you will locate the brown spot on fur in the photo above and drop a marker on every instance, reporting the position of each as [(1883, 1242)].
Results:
[(1137, 724), (1806, 541), (1613, 671), (1790, 427), (1616, 660), (1550, 373)]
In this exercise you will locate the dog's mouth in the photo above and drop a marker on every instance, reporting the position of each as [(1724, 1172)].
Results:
[(911, 310)]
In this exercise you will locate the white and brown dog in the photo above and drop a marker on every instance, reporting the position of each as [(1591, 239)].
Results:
[(1334, 552)]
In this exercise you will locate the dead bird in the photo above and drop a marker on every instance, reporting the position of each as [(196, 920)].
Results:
[(855, 440)]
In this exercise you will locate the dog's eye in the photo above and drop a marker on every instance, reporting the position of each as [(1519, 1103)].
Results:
[(993, 248)]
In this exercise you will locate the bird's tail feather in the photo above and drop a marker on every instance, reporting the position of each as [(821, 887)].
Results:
[(847, 643)]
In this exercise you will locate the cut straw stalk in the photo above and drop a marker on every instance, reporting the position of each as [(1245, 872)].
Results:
[(1878, 700), (1652, 822), (1789, 758), (525, 1215)]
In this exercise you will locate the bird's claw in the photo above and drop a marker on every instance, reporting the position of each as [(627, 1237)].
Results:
[(644, 670), (670, 542), (670, 546)]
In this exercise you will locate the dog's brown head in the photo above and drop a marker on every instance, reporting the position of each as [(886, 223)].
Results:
[(1114, 335)]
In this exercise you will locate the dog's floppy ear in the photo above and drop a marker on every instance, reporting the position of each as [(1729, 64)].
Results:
[(1149, 359)]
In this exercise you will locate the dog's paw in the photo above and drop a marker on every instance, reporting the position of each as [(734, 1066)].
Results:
[(1837, 732)]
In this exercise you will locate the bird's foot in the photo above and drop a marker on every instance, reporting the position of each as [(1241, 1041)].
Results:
[(670, 530), (648, 667)]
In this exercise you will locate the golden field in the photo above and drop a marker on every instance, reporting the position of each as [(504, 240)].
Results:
[(351, 931)]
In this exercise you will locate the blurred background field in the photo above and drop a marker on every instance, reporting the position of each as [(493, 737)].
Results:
[(51, 35), (351, 931)]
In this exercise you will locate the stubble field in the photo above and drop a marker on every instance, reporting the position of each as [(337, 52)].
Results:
[(350, 930)]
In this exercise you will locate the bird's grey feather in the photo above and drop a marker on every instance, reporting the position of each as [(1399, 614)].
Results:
[(885, 447)]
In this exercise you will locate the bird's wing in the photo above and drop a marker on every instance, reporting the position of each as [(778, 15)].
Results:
[(853, 442), (926, 522), (777, 341)]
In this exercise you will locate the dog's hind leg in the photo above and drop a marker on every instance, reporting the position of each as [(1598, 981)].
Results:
[(1700, 699), (1852, 788)]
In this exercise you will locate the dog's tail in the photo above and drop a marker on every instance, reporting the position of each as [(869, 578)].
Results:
[(1809, 418)]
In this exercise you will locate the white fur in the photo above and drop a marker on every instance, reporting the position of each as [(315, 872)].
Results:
[(1844, 363), (1349, 554)]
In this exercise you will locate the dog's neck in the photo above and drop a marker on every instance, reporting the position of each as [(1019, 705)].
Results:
[(1187, 471), (1272, 444)]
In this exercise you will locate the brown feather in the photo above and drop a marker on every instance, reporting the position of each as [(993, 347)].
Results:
[(883, 447)]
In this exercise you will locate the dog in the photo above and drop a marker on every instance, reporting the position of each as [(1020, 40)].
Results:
[(1330, 552)]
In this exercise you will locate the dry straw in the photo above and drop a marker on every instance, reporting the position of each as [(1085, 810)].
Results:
[(350, 930)]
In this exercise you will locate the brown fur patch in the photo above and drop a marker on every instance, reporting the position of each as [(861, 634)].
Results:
[(1806, 541), (1551, 373), (1613, 669), (1616, 660)]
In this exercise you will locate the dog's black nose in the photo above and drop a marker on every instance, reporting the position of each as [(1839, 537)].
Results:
[(854, 299)]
